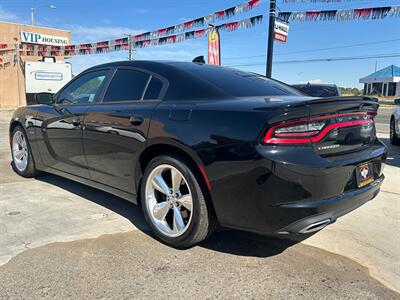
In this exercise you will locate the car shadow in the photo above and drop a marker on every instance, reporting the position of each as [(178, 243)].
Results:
[(393, 158), (226, 241), (124, 208), (243, 243)]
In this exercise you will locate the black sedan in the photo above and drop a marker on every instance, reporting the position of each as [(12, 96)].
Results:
[(199, 146)]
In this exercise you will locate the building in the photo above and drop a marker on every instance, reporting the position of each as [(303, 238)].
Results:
[(385, 82), (12, 76)]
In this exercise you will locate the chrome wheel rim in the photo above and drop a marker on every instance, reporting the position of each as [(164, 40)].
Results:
[(19, 151), (169, 200)]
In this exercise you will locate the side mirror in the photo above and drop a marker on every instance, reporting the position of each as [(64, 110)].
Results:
[(397, 101), (44, 98)]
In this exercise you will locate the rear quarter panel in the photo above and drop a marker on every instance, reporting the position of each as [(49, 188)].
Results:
[(221, 136)]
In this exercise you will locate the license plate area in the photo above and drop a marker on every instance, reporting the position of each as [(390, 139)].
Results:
[(364, 174)]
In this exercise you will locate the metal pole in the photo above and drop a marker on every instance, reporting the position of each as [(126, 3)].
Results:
[(18, 80), (130, 47), (32, 16), (271, 29)]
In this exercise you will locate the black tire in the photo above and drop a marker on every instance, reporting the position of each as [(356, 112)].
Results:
[(30, 169), (203, 221), (394, 139)]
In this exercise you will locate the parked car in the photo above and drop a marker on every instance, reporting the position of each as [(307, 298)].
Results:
[(319, 90), (199, 146), (395, 126)]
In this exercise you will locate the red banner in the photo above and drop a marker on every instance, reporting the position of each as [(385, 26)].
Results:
[(214, 48)]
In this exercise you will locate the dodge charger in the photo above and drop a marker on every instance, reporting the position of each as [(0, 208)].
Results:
[(200, 146)]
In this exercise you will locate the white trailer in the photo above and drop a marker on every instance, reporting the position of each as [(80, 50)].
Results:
[(45, 76)]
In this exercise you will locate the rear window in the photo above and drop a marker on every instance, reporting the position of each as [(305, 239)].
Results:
[(241, 84), (318, 90)]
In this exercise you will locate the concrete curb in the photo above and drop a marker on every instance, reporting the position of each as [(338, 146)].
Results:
[(388, 102)]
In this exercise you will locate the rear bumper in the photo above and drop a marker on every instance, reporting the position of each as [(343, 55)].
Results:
[(331, 208), (291, 190)]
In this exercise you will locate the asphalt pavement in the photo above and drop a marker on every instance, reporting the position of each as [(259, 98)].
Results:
[(60, 239)]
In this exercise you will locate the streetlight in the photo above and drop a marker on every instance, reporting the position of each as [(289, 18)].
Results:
[(33, 12)]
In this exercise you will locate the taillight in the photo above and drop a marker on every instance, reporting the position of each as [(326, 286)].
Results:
[(314, 130)]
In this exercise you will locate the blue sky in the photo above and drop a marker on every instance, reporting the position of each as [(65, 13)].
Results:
[(91, 21)]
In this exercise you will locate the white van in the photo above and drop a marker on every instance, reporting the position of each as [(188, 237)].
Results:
[(48, 76)]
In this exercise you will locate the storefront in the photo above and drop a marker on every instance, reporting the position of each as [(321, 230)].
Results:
[(385, 82), (12, 73)]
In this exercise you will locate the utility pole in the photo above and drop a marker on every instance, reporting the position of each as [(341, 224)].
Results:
[(271, 30), (130, 46), (17, 62)]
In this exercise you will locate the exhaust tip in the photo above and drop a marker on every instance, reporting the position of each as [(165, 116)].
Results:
[(313, 227)]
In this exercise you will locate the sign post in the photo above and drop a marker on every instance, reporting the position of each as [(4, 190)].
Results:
[(270, 51), (214, 48)]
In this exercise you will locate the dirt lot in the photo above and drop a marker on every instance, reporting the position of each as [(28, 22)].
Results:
[(60, 239)]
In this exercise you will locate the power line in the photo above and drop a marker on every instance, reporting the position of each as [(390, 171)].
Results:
[(318, 49), (390, 55), (341, 47)]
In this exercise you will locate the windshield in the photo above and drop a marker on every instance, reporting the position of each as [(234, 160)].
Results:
[(318, 90)]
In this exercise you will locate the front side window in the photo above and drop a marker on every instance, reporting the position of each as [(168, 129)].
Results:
[(126, 85), (83, 90)]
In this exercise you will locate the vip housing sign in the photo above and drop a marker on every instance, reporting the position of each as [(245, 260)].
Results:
[(281, 31), (43, 39)]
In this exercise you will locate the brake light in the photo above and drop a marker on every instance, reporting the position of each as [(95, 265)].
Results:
[(314, 130)]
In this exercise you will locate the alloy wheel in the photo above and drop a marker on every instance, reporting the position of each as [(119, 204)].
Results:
[(20, 151), (392, 130), (169, 200)]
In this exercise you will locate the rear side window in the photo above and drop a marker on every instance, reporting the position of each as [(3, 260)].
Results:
[(153, 89), (126, 85)]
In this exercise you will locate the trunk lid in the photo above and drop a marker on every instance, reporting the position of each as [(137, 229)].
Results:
[(331, 126), (350, 121)]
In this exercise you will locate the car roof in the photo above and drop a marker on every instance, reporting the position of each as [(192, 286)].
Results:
[(182, 79)]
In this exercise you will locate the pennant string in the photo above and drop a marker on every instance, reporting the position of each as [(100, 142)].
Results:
[(373, 13), (123, 44), (219, 15)]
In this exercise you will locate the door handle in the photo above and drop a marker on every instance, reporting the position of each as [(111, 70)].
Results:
[(136, 120)]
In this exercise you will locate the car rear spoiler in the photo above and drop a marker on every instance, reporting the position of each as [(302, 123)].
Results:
[(342, 98)]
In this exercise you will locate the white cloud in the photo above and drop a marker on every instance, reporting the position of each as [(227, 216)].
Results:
[(83, 34), (82, 62), (185, 51), (6, 15)]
